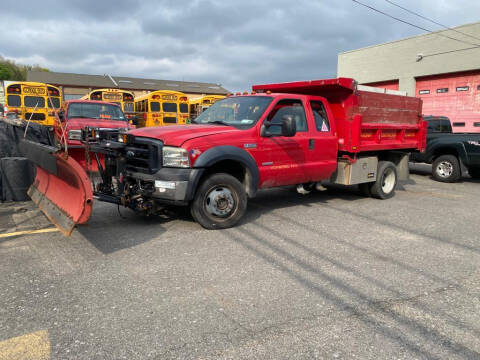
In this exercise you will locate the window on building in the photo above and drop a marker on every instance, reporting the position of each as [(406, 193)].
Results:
[(442, 90), (423, 92), (72, 96), (462, 88)]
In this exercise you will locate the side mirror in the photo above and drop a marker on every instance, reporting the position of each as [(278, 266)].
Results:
[(61, 115), (289, 126)]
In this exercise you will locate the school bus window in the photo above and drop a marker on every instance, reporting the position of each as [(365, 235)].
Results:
[(53, 92), (169, 107), (97, 95), (14, 100), (184, 108), (128, 107), (54, 101), (14, 89), (154, 106), (32, 101)]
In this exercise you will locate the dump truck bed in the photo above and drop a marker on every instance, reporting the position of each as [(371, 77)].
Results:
[(366, 120)]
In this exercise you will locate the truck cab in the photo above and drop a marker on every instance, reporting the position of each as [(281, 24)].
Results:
[(449, 153), (74, 115)]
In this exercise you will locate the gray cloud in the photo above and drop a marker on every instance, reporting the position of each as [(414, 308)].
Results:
[(236, 43)]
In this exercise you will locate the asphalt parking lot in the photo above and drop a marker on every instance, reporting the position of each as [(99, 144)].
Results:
[(326, 275)]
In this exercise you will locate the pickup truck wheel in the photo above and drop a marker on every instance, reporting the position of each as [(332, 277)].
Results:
[(384, 187), (474, 172), (446, 168), (220, 202)]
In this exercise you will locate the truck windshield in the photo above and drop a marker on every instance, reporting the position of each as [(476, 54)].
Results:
[(241, 111), (95, 111)]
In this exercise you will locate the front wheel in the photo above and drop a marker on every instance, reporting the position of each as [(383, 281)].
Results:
[(446, 168), (220, 202)]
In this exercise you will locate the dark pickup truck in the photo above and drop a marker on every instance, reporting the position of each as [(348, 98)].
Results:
[(447, 152)]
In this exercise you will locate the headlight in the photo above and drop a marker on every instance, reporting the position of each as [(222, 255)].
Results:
[(175, 157), (75, 135)]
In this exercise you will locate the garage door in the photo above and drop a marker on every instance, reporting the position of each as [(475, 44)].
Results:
[(456, 96), (390, 85)]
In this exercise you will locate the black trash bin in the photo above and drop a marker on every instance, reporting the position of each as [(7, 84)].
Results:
[(17, 174)]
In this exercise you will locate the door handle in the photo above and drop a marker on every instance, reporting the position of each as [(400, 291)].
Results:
[(311, 144)]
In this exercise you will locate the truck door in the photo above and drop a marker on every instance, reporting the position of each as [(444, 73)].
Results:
[(321, 157), (285, 156)]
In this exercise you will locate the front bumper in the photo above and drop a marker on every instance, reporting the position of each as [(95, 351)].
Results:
[(170, 185)]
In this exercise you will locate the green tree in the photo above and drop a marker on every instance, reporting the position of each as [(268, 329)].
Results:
[(9, 70)]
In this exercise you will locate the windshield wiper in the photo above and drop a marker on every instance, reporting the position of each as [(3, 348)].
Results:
[(219, 122)]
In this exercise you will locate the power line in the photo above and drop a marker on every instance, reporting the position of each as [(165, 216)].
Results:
[(416, 26), (450, 51), (432, 21)]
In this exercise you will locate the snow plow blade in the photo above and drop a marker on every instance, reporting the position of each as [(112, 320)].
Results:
[(61, 188)]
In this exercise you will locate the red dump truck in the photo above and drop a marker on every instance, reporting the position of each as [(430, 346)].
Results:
[(298, 133)]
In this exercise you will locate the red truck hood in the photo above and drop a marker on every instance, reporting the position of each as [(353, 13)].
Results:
[(176, 135), (80, 123)]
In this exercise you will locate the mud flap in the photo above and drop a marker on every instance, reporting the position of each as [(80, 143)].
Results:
[(61, 188)]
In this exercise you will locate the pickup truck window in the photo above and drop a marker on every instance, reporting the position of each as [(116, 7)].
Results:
[(241, 111), (439, 126), (293, 108), (320, 115), (95, 111)]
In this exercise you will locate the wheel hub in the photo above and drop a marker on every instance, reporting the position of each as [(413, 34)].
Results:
[(219, 202), (445, 169), (388, 181)]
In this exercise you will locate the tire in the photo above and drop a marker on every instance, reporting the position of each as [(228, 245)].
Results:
[(474, 172), (384, 187), (220, 202), (446, 168)]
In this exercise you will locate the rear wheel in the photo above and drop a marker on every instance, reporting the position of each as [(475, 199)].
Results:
[(384, 186), (446, 168), (220, 202), (474, 172)]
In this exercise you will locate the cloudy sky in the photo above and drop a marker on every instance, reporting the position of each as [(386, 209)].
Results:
[(232, 42)]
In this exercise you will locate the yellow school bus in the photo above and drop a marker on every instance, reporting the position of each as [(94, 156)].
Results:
[(161, 107), (121, 97), (200, 104), (32, 100)]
